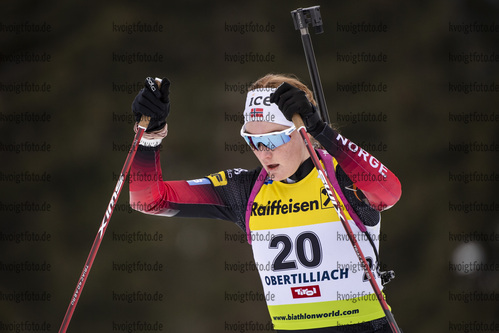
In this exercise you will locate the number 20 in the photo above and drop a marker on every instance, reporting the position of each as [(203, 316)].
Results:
[(280, 262)]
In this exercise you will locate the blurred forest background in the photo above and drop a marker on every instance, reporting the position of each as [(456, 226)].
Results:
[(62, 150)]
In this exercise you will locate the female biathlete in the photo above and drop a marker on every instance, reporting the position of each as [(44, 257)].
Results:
[(315, 275)]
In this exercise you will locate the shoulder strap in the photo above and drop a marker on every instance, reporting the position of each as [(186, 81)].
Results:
[(386, 276), (254, 191), (329, 165)]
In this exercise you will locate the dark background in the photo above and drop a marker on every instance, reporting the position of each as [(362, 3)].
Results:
[(443, 221)]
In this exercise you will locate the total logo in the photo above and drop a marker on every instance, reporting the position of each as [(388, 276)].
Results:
[(304, 292)]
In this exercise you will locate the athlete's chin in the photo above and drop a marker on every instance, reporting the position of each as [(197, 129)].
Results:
[(276, 178), (277, 175)]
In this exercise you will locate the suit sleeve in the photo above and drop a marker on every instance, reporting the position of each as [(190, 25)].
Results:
[(223, 195), (379, 185)]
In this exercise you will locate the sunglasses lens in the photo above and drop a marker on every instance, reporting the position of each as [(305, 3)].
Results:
[(270, 141)]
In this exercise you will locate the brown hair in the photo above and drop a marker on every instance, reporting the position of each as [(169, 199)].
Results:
[(275, 80)]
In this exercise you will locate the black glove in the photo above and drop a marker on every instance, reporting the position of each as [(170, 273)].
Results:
[(291, 100), (153, 101)]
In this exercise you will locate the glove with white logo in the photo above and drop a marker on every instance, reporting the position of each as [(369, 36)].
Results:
[(291, 100), (153, 101)]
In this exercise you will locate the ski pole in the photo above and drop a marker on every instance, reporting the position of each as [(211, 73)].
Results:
[(302, 17), (144, 122), (328, 187)]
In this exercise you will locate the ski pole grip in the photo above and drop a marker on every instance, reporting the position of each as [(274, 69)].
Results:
[(144, 120), (297, 121)]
